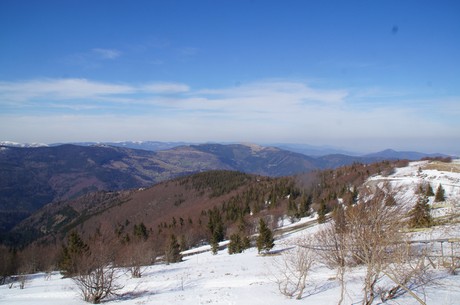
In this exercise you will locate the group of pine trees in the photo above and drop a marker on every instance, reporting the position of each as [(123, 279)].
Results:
[(420, 215)]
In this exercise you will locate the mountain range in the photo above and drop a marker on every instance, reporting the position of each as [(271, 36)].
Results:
[(306, 149), (34, 176)]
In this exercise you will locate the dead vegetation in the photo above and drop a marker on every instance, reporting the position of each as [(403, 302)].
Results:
[(453, 167), (369, 235)]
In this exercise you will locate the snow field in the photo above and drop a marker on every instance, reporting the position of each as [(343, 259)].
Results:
[(245, 279), (249, 278)]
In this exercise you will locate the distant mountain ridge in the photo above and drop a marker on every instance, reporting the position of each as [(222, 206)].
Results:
[(31, 177), (305, 149), (409, 155)]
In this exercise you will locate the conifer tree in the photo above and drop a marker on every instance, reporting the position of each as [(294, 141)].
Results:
[(322, 211), (390, 200), (72, 255), (265, 241), (172, 251), (216, 225), (439, 194), (420, 216), (420, 189), (429, 190), (234, 245), (216, 229), (238, 243), (214, 245), (304, 209), (140, 231), (293, 210)]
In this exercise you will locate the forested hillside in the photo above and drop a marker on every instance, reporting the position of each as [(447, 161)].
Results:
[(31, 177), (206, 207)]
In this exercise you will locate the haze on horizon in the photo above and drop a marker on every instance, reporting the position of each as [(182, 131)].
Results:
[(359, 75)]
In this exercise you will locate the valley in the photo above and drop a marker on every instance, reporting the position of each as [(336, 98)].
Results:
[(32, 177), (254, 278)]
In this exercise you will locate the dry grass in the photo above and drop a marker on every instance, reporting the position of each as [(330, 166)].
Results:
[(442, 166)]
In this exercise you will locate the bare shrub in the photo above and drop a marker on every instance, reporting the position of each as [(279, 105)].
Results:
[(96, 276), (23, 279), (138, 255), (374, 232), (98, 283), (407, 270), (293, 268), (332, 248)]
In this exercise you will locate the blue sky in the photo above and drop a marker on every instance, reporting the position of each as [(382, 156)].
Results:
[(360, 75)]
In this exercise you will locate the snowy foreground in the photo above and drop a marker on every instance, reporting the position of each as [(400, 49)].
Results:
[(248, 278)]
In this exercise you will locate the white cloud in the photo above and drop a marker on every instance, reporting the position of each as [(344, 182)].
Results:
[(59, 89), (106, 53), (91, 59), (276, 111), (166, 88), (378, 130)]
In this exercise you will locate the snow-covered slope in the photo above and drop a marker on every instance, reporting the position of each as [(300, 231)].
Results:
[(248, 278), (244, 279), (407, 180), (15, 144)]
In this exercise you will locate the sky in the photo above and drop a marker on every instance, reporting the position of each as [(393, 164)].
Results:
[(358, 75)]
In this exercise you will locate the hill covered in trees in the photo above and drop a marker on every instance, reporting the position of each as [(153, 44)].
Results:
[(370, 216), (205, 207), (31, 177)]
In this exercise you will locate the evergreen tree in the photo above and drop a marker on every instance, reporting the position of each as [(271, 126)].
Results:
[(420, 189), (439, 194), (140, 231), (429, 190), (172, 251), (216, 225), (293, 210), (214, 245), (390, 200), (72, 255), (355, 195), (216, 229), (238, 243), (304, 209), (420, 216), (265, 241), (322, 211), (234, 245)]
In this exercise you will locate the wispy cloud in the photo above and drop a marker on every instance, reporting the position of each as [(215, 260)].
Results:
[(270, 110), (106, 53), (166, 88), (58, 89), (92, 58)]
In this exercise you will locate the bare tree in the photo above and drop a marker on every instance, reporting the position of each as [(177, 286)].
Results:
[(332, 248), (293, 268), (137, 255), (23, 279), (370, 233), (98, 283), (8, 264), (374, 232), (408, 269), (377, 241), (96, 275)]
